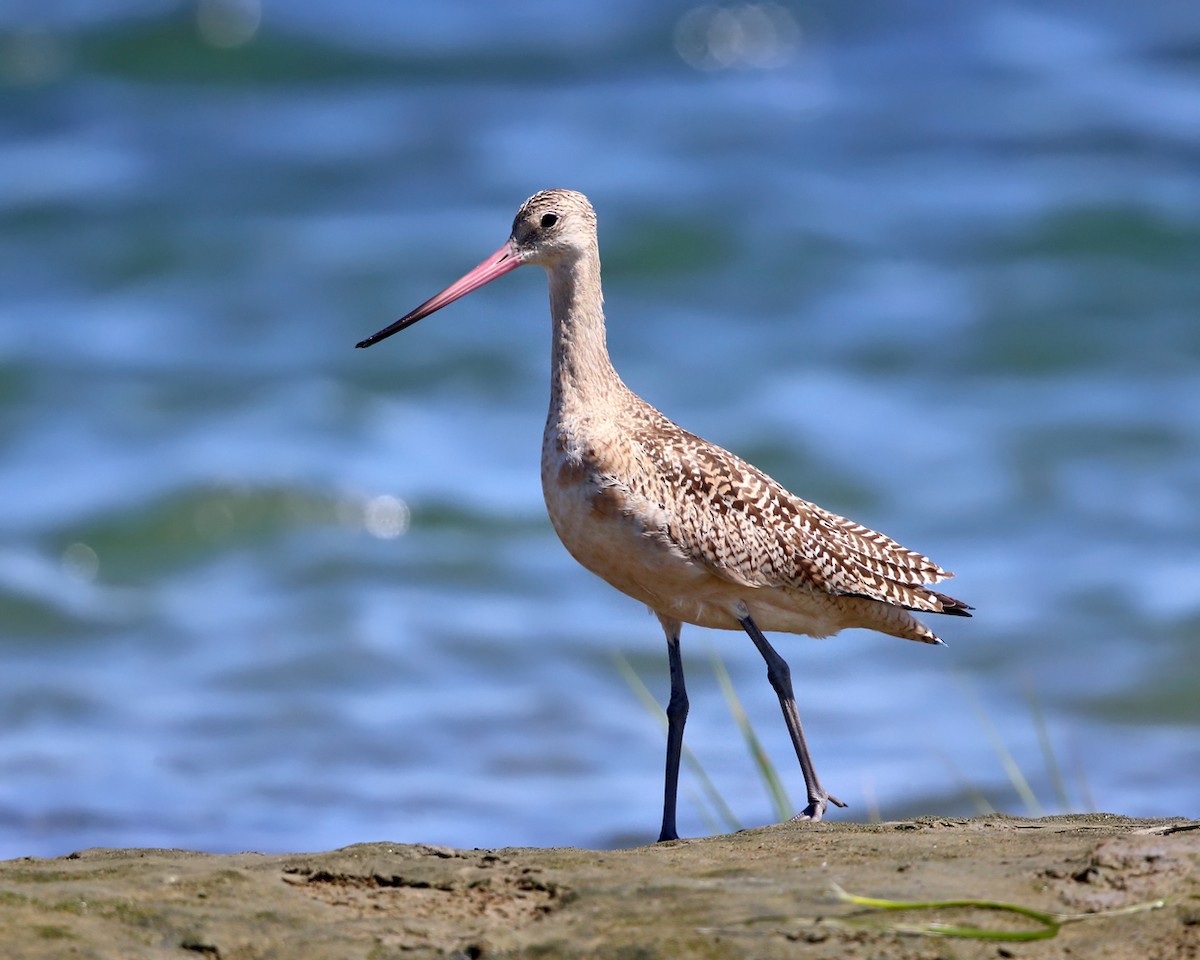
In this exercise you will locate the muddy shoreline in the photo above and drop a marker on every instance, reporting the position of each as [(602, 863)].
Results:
[(764, 893)]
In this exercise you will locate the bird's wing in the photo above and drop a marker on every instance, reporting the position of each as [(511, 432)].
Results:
[(746, 528)]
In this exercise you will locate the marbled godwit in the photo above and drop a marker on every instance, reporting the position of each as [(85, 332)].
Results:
[(695, 533)]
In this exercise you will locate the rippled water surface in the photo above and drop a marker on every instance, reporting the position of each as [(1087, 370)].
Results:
[(932, 265)]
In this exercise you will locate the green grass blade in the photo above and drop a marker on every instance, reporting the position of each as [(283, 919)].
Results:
[(1051, 923), (766, 769), (704, 810), (1011, 768), (979, 801), (1053, 771), (720, 809)]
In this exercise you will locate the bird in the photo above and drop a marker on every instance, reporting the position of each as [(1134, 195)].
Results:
[(692, 531)]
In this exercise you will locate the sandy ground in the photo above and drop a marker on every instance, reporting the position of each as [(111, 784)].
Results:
[(760, 893)]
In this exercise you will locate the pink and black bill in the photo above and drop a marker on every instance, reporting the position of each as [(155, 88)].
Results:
[(499, 263)]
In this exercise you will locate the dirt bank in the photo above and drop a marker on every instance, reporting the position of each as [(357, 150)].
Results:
[(762, 893)]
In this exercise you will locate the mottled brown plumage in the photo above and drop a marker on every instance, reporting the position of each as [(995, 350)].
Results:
[(694, 532)]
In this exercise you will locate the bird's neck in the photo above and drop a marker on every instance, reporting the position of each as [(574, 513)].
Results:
[(582, 375)]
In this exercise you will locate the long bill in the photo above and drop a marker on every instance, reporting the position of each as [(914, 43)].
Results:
[(499, 263)]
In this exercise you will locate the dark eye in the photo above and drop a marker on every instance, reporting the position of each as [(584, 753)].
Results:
[(549, 220)]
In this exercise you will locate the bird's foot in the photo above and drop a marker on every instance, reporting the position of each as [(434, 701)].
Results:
[(815, 810)]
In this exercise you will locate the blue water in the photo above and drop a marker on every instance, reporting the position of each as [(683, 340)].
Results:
[(932, 265)]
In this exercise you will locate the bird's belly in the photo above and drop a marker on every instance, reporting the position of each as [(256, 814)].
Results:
[(604, 532), (622, 542)]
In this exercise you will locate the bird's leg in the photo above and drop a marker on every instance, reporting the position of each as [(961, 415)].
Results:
[(780, 676), (677, 711)]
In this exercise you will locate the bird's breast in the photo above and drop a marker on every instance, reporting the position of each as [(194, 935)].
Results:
[(589, 508), (612, 528)]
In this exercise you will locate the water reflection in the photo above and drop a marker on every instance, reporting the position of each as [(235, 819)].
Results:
[(760, 36), (228, 23)]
